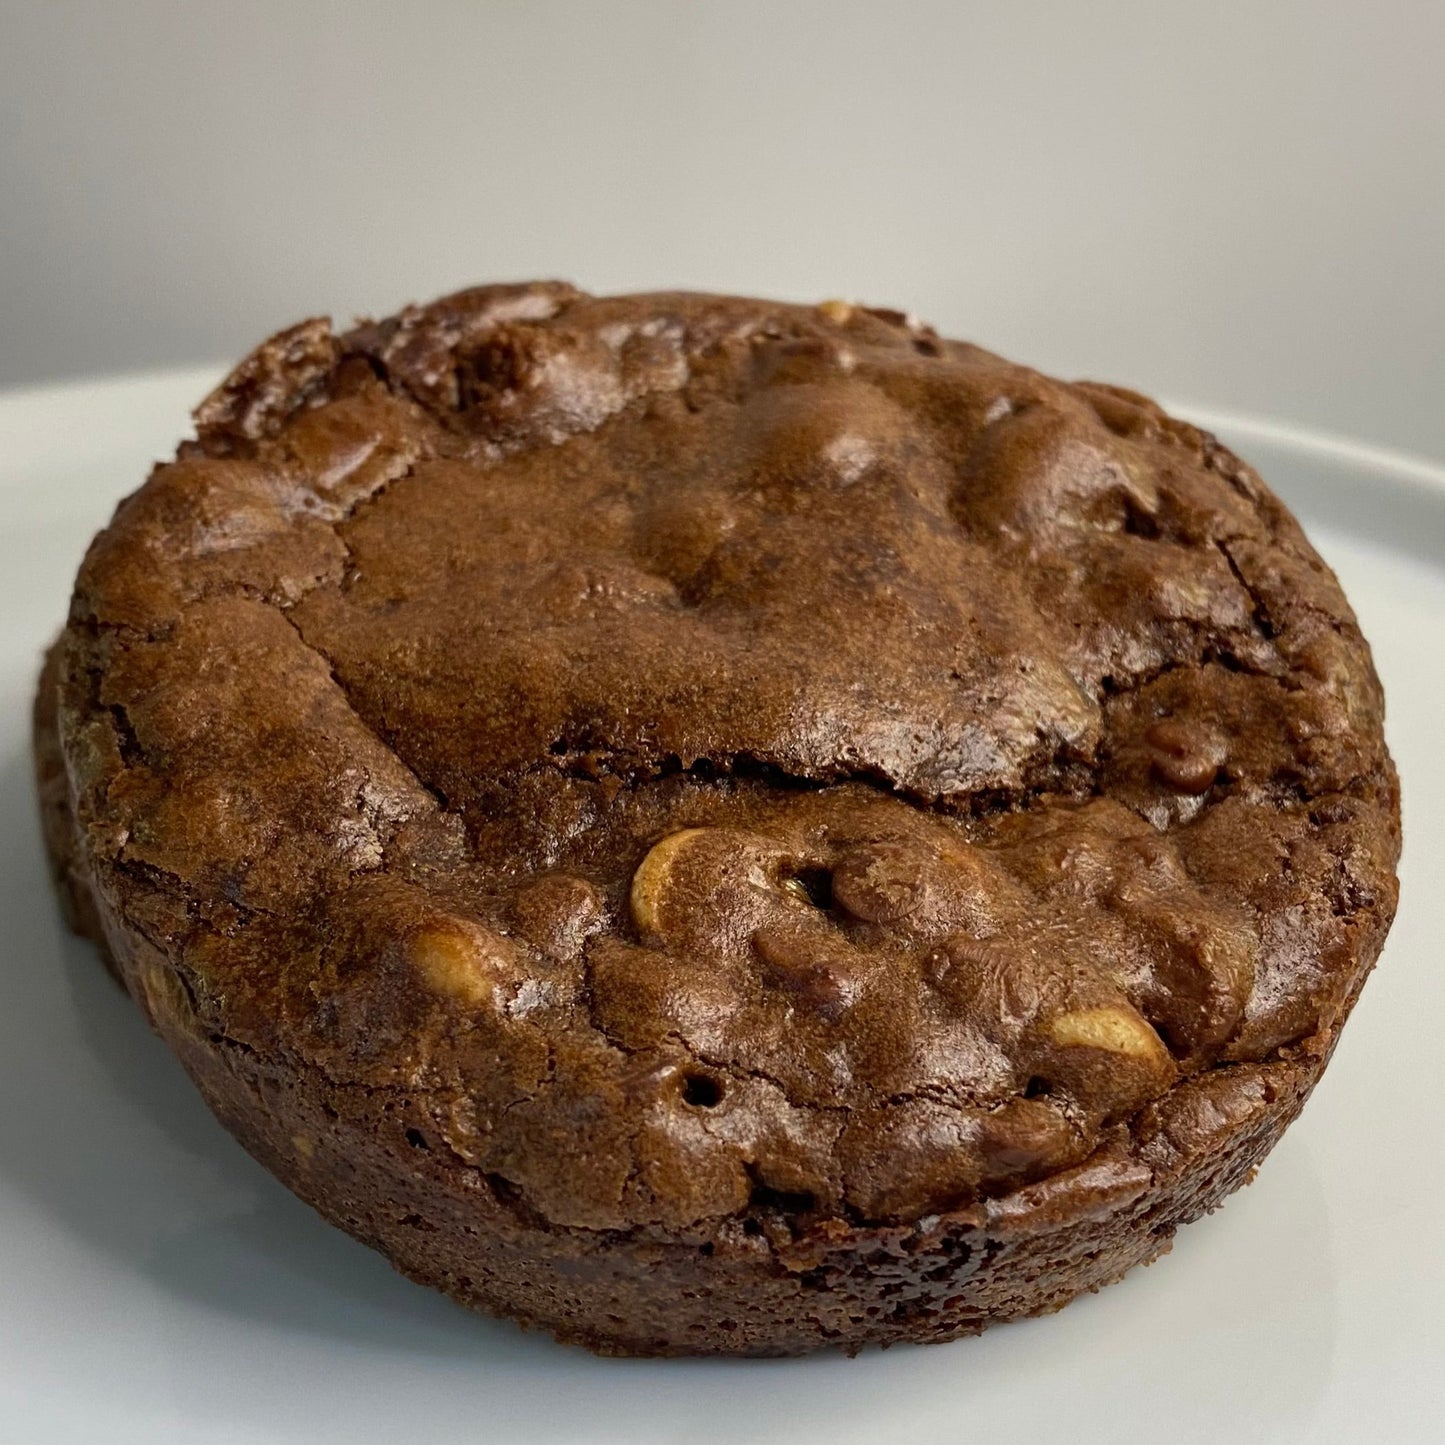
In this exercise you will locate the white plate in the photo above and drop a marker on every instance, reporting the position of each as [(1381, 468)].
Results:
[(158, 1286)]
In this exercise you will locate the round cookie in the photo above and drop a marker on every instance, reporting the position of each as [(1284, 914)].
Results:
[(707, 825)]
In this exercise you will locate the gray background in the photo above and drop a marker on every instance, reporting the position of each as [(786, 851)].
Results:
[(1238, 204)]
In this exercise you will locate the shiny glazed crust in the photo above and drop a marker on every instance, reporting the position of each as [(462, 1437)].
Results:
[(713, 826)]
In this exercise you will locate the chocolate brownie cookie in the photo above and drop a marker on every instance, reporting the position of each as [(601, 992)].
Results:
[(709, 825)]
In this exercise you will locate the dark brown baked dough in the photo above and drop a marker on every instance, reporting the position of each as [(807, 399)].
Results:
[(709, 825)]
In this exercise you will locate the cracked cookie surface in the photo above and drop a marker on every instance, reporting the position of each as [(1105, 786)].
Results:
[(724, 760)]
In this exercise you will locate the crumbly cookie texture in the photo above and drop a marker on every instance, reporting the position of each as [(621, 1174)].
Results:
[(682, 788)]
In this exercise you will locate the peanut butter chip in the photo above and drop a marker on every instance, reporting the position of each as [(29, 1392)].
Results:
[(840, 313), (653, 879), (165, 998), (459, 961), (1113, 1030)]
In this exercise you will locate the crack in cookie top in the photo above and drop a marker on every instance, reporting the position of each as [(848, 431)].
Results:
[(725, 756)]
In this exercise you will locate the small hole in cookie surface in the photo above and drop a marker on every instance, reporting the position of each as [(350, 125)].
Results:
[(816, 885), (1036, 1088), (417, 1139), (781, 1201), (702, 1091)]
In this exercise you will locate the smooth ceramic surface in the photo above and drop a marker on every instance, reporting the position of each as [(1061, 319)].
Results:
[(157, 1286)]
